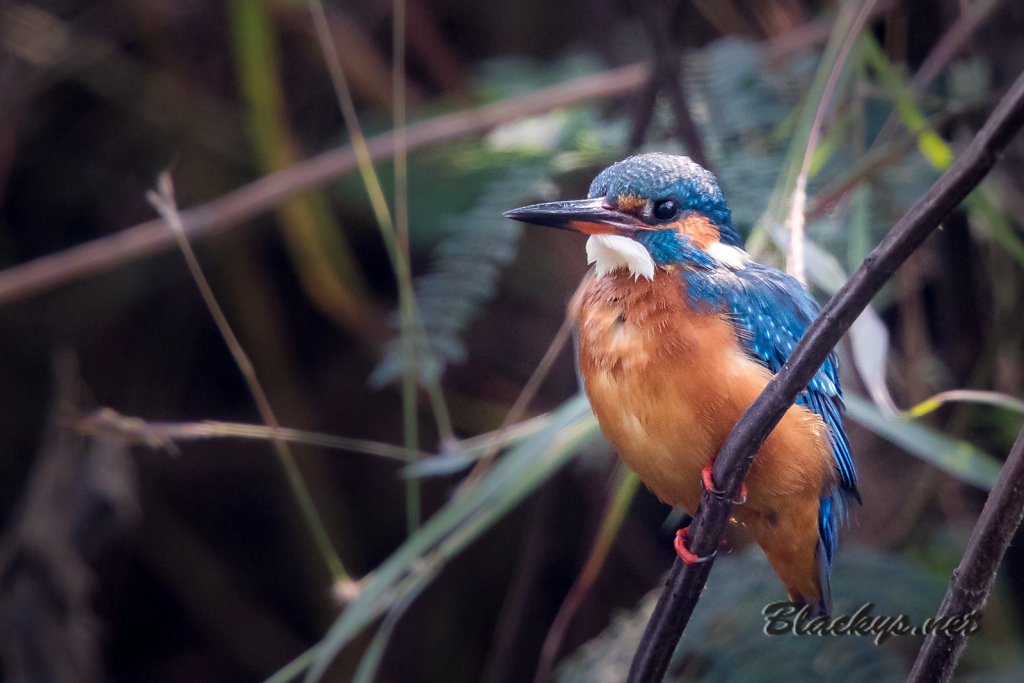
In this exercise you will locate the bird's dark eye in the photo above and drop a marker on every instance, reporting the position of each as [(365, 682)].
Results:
[(666, 209)]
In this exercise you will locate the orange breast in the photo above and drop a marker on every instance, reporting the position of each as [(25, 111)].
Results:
[(667, 384)]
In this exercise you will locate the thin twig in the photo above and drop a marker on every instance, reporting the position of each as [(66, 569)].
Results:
[(798, 200), (164, 203), (614, 514), (411, 324), (973, 579), (166, 434), (810, 34), (145, 239), (948, 46), (686, 582), (105, 253), (409, 331), (518, 409)]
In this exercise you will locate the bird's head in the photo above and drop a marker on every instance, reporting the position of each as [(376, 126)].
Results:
[(648, 211)]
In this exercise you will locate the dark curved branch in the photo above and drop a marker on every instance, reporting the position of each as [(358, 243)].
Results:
[(973, 579), (685, 582)]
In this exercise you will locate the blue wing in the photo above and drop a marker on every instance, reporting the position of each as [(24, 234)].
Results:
[(772, 311)]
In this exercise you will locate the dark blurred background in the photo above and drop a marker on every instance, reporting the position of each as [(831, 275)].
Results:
[(126, 559)]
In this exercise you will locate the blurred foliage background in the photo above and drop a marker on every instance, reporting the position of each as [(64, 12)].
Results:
[(441, 516)]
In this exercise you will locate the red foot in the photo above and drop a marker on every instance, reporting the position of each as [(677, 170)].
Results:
[(684, 553), (709, 485)]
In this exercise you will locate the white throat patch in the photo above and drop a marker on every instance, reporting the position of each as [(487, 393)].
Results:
[(611, 252)]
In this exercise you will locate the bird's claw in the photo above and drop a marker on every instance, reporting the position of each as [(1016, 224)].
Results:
[(684, 553), (709, 486)]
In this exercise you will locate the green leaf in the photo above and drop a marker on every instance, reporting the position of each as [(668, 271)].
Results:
[(469, 514), (778, 205), (869, 345), (869, 338), (935, 149), (932, 147), (983, 209), (956, 457), (991, 398)]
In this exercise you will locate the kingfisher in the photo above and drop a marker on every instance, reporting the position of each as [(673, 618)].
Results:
[(679, 331)]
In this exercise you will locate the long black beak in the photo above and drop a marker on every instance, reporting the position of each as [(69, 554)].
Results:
[(590, 216)]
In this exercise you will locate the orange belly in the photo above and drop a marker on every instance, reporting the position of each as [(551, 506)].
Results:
[(667, 384)]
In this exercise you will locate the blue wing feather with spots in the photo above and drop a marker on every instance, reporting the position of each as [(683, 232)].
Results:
[(772, 311)]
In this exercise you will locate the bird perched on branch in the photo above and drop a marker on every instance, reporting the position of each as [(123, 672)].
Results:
[(679, 332)]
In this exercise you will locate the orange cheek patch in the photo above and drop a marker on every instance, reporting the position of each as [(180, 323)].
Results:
[(699, 229), (630, 203), (588, 228)]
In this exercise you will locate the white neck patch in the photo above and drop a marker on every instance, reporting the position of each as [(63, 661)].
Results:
[(612, 252)]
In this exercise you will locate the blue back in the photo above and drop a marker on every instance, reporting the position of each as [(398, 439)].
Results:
[(771, 312)]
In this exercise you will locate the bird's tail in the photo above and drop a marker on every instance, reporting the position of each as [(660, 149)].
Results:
[(828, 535)]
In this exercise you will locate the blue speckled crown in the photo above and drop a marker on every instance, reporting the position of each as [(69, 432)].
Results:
[(658, 176)]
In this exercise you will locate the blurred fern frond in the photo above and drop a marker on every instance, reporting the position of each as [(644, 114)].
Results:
[(514, 164), (467, 263), (739, 105)]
